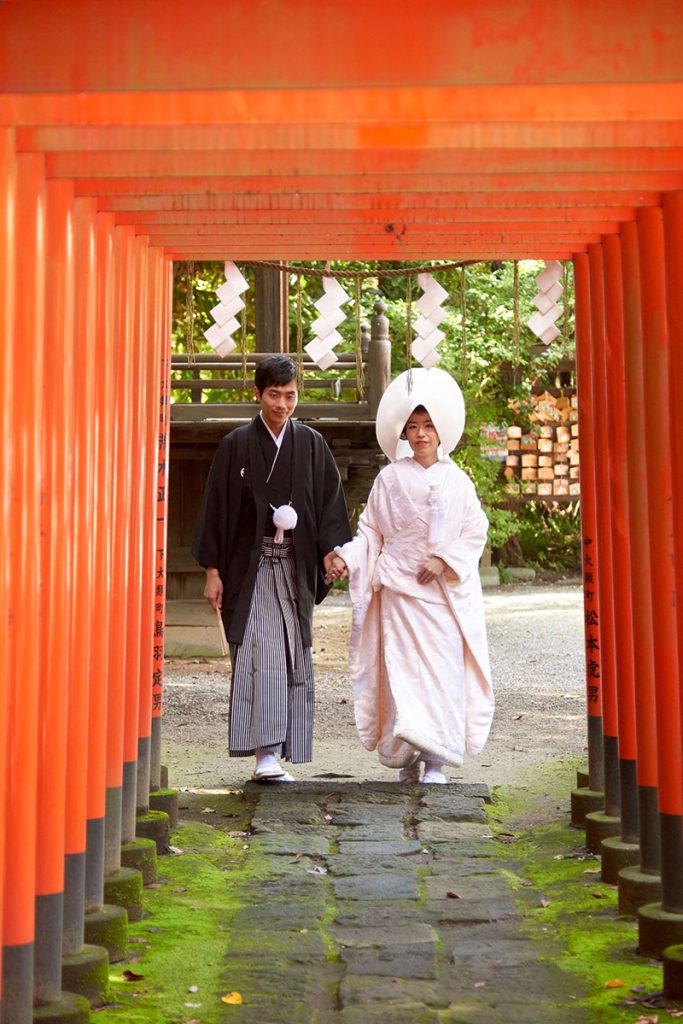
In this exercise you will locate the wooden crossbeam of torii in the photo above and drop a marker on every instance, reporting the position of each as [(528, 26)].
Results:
[(151, 122)]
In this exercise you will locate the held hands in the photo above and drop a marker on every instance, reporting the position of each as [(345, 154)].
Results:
[(433, 567), (213, 591), (335, 568)]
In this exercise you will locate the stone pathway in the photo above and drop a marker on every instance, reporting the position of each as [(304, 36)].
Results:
[(382, 902)]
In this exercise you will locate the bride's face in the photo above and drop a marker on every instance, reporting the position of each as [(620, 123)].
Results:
[(422, 437)]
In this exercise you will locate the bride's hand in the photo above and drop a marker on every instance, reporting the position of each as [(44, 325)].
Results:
[(433, 567)]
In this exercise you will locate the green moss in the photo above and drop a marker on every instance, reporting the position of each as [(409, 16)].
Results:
[(182, 941), (152, 816), (567, 909)]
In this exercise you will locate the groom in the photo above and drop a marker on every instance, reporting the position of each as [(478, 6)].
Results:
[(265, 581)]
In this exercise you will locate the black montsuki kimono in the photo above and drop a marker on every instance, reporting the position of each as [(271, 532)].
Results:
[(235, 515)]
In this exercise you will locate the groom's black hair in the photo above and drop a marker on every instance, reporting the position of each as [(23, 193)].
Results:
[(275, 371)]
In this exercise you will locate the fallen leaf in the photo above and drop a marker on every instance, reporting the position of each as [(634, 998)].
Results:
[(654, 1019), (193, 988), (180, 888), (132, 976), (143, 941), (599, 895), (543, 901), (175, 850), (452, 896), (208, 810), (675, 1013), (134, 959), (154, 885), (614, 983), (233, 998), (238, 835), (317, 870)]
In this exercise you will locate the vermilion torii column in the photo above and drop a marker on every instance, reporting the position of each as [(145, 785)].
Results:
[(150, 431), (598, 825), (661, 924), (619, 851), (639, 884), (673, 239), (107, 925), (583, 800), (24, 602), (7, 421), (122, 879), (161, 528), (57, 583), (83, 598)]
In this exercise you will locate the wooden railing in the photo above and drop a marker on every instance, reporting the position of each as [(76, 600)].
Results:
[(201, 373)]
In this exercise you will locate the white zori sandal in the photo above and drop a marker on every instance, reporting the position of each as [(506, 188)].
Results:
[(433, 775), (268, 769)]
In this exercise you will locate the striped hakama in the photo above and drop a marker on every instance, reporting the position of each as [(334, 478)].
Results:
[(272, 695)]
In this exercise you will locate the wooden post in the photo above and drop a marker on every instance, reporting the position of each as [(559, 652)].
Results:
[(379, 357), (151, 386), (123, 402), (24, 624), (591, 604), (271, 293), (7, 360), (106, 427), (639, 885), (597, 825), (56, 544), (163, 451), (620, 851), (673, 239), (657, 923), (83, 591), (137, 511)]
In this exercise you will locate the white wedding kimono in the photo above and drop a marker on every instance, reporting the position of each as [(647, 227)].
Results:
[(419, 656)]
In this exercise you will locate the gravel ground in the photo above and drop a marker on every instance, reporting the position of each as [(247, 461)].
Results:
[(536, 643)]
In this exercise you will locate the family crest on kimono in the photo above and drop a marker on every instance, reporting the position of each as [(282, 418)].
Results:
[(272, 513), (419, 656)]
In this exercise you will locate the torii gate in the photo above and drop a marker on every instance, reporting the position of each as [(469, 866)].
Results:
[(266, 129)]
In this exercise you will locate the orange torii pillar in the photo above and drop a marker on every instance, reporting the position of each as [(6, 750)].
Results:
[(599, 825), (150, 447), (621, 850), (136, 513), (24, 623), (660, 924), (673, 237), (105, 925), (585, 799), (85, 968), (639, 884), (7, 362), (121, 885), (166, 800), (55, 588)]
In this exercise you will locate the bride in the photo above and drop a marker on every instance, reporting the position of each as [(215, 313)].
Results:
[(418, 656)]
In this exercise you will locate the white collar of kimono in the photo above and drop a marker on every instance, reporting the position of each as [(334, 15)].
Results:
[(438, 392), (278, 438)]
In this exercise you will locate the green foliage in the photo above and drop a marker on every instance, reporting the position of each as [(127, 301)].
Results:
[(550, 536)]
